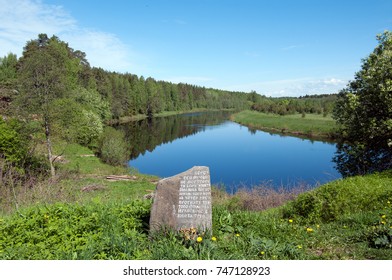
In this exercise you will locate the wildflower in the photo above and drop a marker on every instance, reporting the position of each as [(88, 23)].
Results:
[(383, 216), (309, 229), (199, 239), (262, 252), (290, 221), (213, 238), (237, 234), (299, 246)]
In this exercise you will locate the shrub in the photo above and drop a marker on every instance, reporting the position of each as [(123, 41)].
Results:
[(76, 124), (12, 145), (17, 162), (112, 147)]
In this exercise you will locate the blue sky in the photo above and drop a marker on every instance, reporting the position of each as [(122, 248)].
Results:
[(277, 48)]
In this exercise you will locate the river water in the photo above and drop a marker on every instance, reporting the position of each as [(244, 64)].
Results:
[(237, 156)]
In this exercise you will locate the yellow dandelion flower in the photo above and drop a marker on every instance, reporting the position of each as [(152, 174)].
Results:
[(237, 234), (290, 220), (299, 246), (262, 252), (309, 229), (383, 216), (199, 239), (213, 238)]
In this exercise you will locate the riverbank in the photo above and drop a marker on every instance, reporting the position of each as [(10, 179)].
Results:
[(311, 126), (139, 117), (82, 215)]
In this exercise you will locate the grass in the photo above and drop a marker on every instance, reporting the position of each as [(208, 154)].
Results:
[(346, 219), (312, 125), (81, 177)]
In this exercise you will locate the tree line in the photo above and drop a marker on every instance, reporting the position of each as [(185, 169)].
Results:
[(311, 104)]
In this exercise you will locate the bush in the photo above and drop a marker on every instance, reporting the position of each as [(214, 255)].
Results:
[(76, 124), (17, 162), (12, 146), (113, 147)]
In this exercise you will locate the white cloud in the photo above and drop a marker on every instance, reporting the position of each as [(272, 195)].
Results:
[(295, 87), (23, 20), (102, 49)]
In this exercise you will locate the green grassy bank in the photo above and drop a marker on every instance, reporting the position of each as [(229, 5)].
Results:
[(82, 215), (311, 125), (138, 117)]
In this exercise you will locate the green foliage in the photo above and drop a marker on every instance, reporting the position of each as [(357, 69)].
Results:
[(92, 101), (63, 231), (311, 104), (331, 201), (315, 126), (112, 147), (380, 236), (74, 123), (18, 162), (89, 129), (8, 70), (364, 112), (46, 71), (13, 148)]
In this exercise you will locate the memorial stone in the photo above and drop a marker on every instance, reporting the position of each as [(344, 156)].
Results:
[(183, 201)]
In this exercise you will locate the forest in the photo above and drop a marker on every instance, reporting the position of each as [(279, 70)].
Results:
[(52, 91)]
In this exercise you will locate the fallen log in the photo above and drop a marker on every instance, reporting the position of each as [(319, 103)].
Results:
[(121, 178)]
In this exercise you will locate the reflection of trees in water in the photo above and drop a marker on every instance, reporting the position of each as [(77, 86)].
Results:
[(354, 160), (147, 134), (363, 112)]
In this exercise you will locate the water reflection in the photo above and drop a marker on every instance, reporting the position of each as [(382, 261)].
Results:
[(236, 155), (147, 134)]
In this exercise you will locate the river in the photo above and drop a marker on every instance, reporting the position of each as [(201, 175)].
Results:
[(236, 155)]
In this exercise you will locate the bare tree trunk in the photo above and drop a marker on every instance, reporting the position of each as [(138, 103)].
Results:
[(49, 147)]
